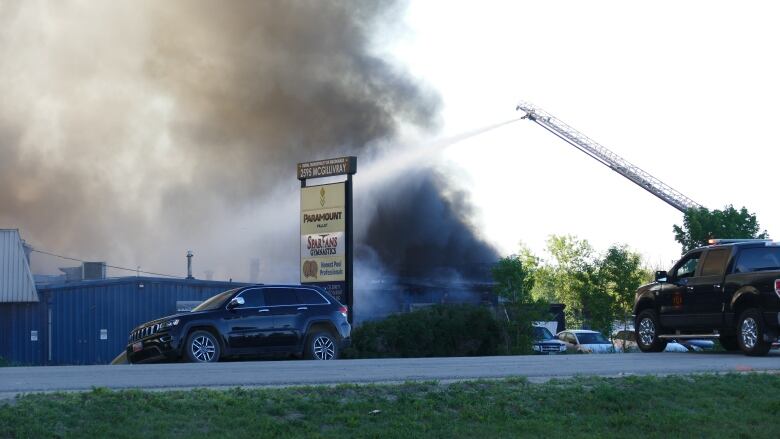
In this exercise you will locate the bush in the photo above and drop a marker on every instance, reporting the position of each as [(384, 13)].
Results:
[(436, 331)]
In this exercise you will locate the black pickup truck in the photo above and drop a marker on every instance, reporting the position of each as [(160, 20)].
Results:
[(729, 290)]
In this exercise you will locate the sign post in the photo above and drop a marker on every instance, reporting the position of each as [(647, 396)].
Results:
[(326, 228)]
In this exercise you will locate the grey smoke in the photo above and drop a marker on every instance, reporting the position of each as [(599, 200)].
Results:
[(131, 131)]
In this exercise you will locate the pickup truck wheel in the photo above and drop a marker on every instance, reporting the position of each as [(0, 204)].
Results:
[(750, 333), (647, 331), (729, 342)]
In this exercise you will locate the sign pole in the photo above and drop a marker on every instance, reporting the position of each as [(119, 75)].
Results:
[(349, 250)]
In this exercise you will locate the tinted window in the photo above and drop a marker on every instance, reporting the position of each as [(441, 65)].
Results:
[(214, 302), (253, 299), (280, 296), (715, 262), (542, 333), (592, 338), (310, 297), (758, 259), (688, 267)]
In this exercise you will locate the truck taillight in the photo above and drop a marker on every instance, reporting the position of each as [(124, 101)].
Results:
[(777, 287), (343, 310)]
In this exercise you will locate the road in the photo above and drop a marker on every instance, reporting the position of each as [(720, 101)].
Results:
[(16, 380)]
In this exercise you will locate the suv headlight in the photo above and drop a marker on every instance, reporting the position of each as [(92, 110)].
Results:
[(537, 348), (169, 324)]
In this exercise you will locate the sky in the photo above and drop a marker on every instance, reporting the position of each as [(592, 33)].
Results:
[(134, 131), (687, 91)]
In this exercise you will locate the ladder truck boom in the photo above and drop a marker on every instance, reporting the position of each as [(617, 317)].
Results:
[(607, 157)]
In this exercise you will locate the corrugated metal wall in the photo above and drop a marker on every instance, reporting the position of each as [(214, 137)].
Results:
[(88, 322), (16, 280), (21, 333)]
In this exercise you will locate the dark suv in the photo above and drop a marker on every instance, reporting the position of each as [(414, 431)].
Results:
[(254, 320)]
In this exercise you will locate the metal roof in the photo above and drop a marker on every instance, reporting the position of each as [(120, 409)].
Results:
[(16, 280), (140, 279)]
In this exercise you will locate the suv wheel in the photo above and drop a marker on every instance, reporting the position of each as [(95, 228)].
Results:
[(647, 330), (321, 346), (750, 333), (202, 347)]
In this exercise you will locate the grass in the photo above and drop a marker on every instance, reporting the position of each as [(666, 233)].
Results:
[(736, 405)]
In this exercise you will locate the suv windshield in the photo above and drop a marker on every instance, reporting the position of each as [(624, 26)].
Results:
[(592, 338), (542, 333), (215, 301)]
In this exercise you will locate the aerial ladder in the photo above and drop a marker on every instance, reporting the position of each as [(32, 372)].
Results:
[(607, 157)]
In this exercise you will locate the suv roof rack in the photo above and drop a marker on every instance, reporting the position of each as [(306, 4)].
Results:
[(717, 241)]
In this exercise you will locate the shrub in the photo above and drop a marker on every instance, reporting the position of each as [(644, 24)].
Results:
[(435, 331)]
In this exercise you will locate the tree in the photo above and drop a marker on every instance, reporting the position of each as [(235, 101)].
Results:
[(620, 274), (514, 281), (571, 277), (597, 290), (701, 224)]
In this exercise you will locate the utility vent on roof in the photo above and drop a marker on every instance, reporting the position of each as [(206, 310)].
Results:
[(94, 270)]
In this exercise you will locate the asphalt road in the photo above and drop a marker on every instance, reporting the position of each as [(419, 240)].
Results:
[(16, 380)]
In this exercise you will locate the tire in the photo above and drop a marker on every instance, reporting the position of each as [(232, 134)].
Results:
[(729, 342), (202, 347), (750, 333), (646, 328), (321, 346)]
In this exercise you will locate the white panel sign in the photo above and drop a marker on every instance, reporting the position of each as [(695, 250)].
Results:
[(322, 245)]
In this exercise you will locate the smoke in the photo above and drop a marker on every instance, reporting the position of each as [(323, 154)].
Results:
[(422, 229), (133, 131)]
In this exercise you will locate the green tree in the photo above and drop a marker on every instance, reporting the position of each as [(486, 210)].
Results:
[(701, 224), (514, 281), (572, 278), (620, 274)]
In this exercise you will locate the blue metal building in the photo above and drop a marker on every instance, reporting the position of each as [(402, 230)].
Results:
[(88, 322)]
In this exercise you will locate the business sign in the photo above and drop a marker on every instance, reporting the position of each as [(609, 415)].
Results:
[(326, 228), (327, 168), (321, 220), (322, 244), (323, 237)]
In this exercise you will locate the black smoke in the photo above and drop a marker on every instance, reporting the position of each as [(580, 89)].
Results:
[(419, 234)]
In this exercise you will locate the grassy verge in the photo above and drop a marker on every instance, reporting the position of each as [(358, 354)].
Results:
[(695, 406)]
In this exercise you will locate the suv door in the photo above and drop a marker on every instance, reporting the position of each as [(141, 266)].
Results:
[(705, 300), (288, 315), (674, 295), (250, 325)]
